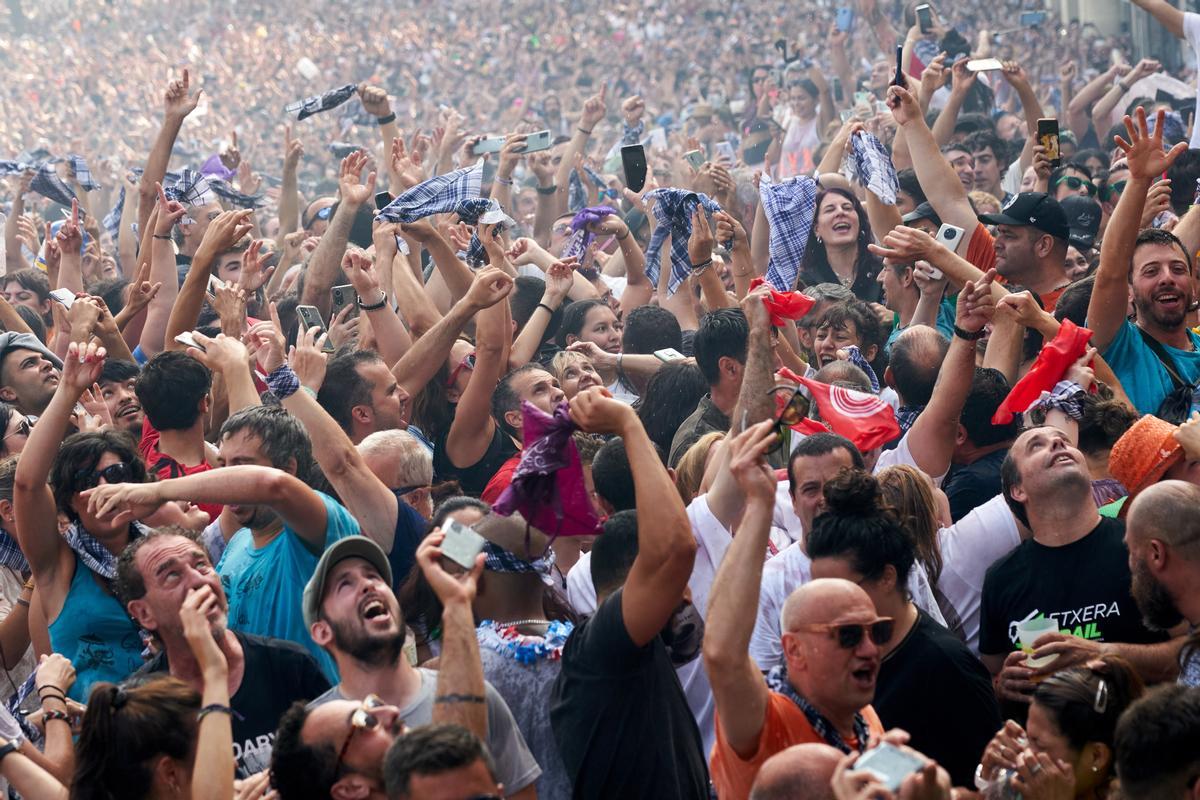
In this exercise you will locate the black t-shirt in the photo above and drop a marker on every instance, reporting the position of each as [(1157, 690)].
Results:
[(410, 530), (1083, 585), (474, 478), (936, 689), (619, 714), (970, 486), (277, 673)]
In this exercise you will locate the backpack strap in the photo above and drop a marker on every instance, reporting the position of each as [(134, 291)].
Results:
[(1163, 357)]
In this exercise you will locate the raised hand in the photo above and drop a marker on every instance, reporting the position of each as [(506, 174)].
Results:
[(231, 157), (560, 277), (491, 285), (362, 274), (343, 328), (70, 237), (510, 154), (961, 78), (700, 243), (224, 232), (82, 366), (1143, 150), (255, 272), (352, 192), (308, 360), (450, 588), (199, 609), (933, 77), (1020, 307), (269, 343), (169, 213), (976, 304), (905, 244), (632, 109), (594, 109), (748, 465), (905, 108), (1081, 371), (406, 165), (542, 166), (293, 150), (374, 100), (141, 291), (179, 100), (595, 411), (54, 671)]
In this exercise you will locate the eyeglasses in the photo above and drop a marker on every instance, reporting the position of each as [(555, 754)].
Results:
[(23, 429), (796, 409), (113, 473), (324, 213), (362, 718), (1115, 188), (850, 635), (468, 362), (1075, 183)]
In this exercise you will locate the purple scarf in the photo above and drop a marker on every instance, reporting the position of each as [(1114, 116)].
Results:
[(547, 487), (582, 238)]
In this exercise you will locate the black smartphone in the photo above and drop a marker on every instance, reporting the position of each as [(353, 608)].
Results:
[(383, 200), (1047, 133), (899, 79), (924, 17), (341, 296), (310, 317), (633, 161)]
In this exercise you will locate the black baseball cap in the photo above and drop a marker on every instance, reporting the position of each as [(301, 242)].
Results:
[(922, 211), (1036, 209), (1083, 217)]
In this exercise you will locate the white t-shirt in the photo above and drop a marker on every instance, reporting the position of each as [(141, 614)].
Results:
[(902, 454), (969, 548), (1191, 32)]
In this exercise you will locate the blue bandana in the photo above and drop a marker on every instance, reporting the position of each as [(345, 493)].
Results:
[(673, 210)]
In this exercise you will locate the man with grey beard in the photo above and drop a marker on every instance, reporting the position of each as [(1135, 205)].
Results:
[(1163, 537)]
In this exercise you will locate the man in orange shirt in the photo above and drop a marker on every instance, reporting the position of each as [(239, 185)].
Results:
[(831, 634)]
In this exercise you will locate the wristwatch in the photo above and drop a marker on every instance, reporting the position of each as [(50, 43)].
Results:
[(968, 335)]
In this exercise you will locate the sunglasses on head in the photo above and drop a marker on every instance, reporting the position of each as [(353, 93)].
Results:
[(113, 473), (850, 635), (1074, 183), (23, 429), (468, 362), (361, 719), (796, 409)]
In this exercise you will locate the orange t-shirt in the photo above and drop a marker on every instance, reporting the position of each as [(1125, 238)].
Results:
[(784, 726), (980, 251)]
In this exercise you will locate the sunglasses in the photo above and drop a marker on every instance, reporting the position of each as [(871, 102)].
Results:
[(23, 429), (113, 473), (468, 362), (797, 408), (361, 719), (609, 193), (1115, 188), (850, 635), (1074, 183), (403, 490)]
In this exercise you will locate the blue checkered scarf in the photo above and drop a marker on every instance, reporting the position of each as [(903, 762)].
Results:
[(481, 211), (11, 167), (10, 553), (790, 208), (926, 50), (82, 173), (497, 559), (860, 361), (94, 555), (438, 195), (632, 134), (47, 183), (577, 195), (190, 188), (582, 238), (871, 166), (303, 109), (226, 192), (112, 220), (673, 217)]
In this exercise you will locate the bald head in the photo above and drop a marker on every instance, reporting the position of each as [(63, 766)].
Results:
[(1170, 512), (801, 772), (844, 373), (822, 600), (913, 365)]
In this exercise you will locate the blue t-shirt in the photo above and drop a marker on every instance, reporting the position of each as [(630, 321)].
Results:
[(410, 530), (944, 324), (1142, 375), (264, 585)]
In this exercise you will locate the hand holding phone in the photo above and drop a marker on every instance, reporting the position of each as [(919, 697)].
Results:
[(633, 161), (310, 317), (461, 543), (534, 143), (187, 339), (890, 764), (1047, 133), (984, 65)]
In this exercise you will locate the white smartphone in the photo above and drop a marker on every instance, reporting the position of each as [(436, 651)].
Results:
[(535, 142), (188, 340), (890, 764), (669, 354), (64, 296), (928, 270), (489, 144), (461, 544), (725, 151), (984, 65), (951, 236), (215, 283), (695, 158)]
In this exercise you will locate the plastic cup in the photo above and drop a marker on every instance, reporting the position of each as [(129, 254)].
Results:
[(1029, 632)]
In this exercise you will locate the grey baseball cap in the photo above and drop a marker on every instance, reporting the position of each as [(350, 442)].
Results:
[(356, 546), (10, 340)]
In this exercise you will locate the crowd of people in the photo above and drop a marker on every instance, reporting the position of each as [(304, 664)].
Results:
[(370, 429)]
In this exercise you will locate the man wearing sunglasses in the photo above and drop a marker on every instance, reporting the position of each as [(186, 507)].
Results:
[(832, 637)]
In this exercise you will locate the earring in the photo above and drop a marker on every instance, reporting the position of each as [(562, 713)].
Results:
[(1095, 768), (820, 240)]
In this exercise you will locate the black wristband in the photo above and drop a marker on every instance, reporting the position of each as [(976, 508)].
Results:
[(385, 120), (374, 306), (8, 749), (549, 310), (547, 189), (967, 335), (622, 238), (585, 130), (162, 236)]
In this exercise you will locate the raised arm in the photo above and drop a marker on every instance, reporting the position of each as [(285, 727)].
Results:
[(289, 191), (227, 356), (157, 247), (14, 260), (70, 240), (1110, 295), (558, 282), (325, 265), (591, 116), (178, 103), (1102, 112), (1079, 110), (1167, 15), (740, 694), (666, 546), (223, 233), (961, 81), (301, 508), (1030, 104), (392, 339), (213, 769)]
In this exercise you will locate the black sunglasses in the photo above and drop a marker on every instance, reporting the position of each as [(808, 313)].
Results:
[(23, 429), (850, 635), (113, 473)]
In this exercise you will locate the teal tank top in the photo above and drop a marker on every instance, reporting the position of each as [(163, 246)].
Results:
[(96, 634)]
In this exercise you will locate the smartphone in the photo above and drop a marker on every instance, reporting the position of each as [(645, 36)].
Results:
[(863, 98), (310, 317), (1047, 133), (343, 296), (669, 354), (951, 236), (984, 65), (489, 144), (924, 17), (383, 200), (1031, 19), (844, 19), (726, 152), (64, 296), (461, 543), (188, 340), (899, 79), (215, 283), (536, 142), (845, 114), (695, 158), (929, 270), (633, 161), (890, 764)]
